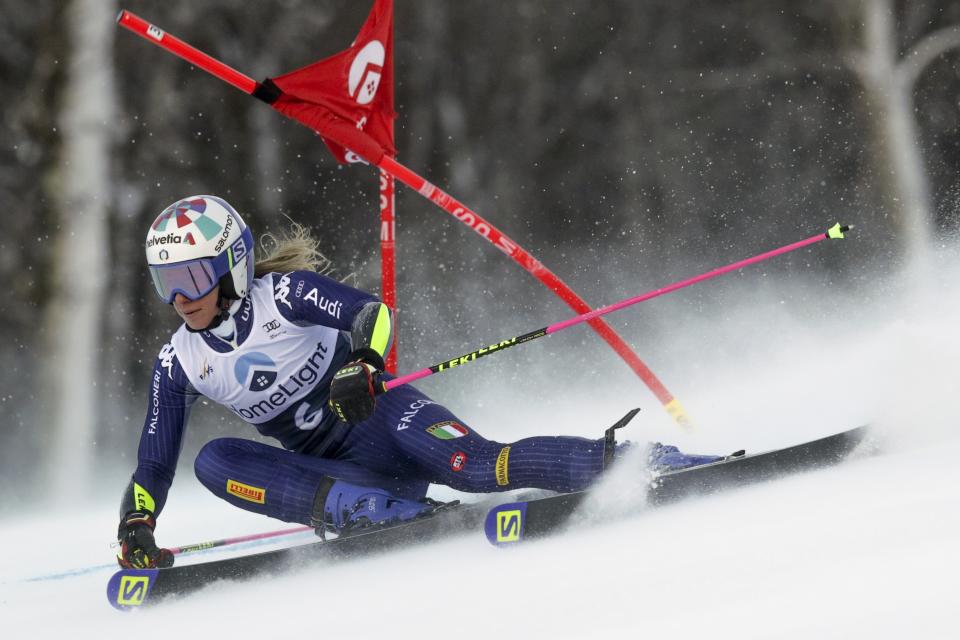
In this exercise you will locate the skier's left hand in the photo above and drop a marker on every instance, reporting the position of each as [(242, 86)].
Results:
[(138, 549), (353, 391)]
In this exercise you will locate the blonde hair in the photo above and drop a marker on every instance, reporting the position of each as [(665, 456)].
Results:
[(293, 250)]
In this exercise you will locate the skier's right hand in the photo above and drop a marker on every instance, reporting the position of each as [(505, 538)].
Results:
[(138, 549), (354, 388)]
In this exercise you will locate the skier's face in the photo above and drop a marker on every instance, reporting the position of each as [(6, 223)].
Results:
[(198, 314)]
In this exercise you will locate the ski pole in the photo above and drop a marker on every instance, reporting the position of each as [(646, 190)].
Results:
[(177, 551), (211, 544), (836, 232), (267, 91)]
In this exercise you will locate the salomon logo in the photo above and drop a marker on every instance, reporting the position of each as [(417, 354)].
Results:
[(508, 526), (238, 250), (133, 590), (225, 234)]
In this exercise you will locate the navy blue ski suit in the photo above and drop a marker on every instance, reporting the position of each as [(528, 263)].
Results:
[(409, 442)]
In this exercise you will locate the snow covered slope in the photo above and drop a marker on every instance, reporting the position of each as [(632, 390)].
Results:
[(863, 550), (866, 549)]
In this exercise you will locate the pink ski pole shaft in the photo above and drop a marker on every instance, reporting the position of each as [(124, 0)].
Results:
[(834, 232), (203, 546)]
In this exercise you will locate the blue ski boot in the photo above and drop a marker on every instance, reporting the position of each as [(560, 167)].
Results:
[(344, 508), (662, 458)]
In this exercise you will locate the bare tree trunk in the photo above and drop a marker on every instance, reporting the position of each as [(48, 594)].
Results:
[(81, 186), (889, 81)]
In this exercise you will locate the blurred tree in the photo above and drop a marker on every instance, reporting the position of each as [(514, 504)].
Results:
[(29, 62), (79, 298), (889, 66)]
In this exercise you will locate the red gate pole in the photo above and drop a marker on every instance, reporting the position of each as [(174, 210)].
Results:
[(436, 195), (388, 260)]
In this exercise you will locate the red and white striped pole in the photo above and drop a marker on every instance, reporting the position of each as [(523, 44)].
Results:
[(388, 259), (440, 198)]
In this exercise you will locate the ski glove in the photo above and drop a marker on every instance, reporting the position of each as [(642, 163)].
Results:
[(354, 388), (138, 549)]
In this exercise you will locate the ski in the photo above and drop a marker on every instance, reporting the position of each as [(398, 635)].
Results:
[(513, 522), (504, 524), (134, 588)]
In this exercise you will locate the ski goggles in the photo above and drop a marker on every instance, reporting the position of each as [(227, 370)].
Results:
[(196, 278)]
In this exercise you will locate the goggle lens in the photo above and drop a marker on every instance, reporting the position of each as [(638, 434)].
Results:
[(194, 279)]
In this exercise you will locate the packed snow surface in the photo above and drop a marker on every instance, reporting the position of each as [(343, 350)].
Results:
[(865, 549)]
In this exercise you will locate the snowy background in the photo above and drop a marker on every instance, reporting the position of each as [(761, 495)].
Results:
[(867, 549), (627, 146)]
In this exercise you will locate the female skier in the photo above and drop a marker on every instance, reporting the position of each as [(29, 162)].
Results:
[(298, 355)]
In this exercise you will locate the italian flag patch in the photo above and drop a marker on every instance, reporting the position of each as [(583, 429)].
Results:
[(447, 430)]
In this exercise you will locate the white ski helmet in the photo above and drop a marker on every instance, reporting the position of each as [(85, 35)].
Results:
[(196, 244)]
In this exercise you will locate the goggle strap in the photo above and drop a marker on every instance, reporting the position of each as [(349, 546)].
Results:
[(240, 249)]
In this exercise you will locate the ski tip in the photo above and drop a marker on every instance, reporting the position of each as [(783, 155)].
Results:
[(504, 524), (129, 588)]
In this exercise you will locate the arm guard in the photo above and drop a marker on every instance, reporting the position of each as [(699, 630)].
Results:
[(136, 498), (372, 333)]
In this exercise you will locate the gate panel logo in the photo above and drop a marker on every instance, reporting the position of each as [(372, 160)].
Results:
[(365, 72)]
